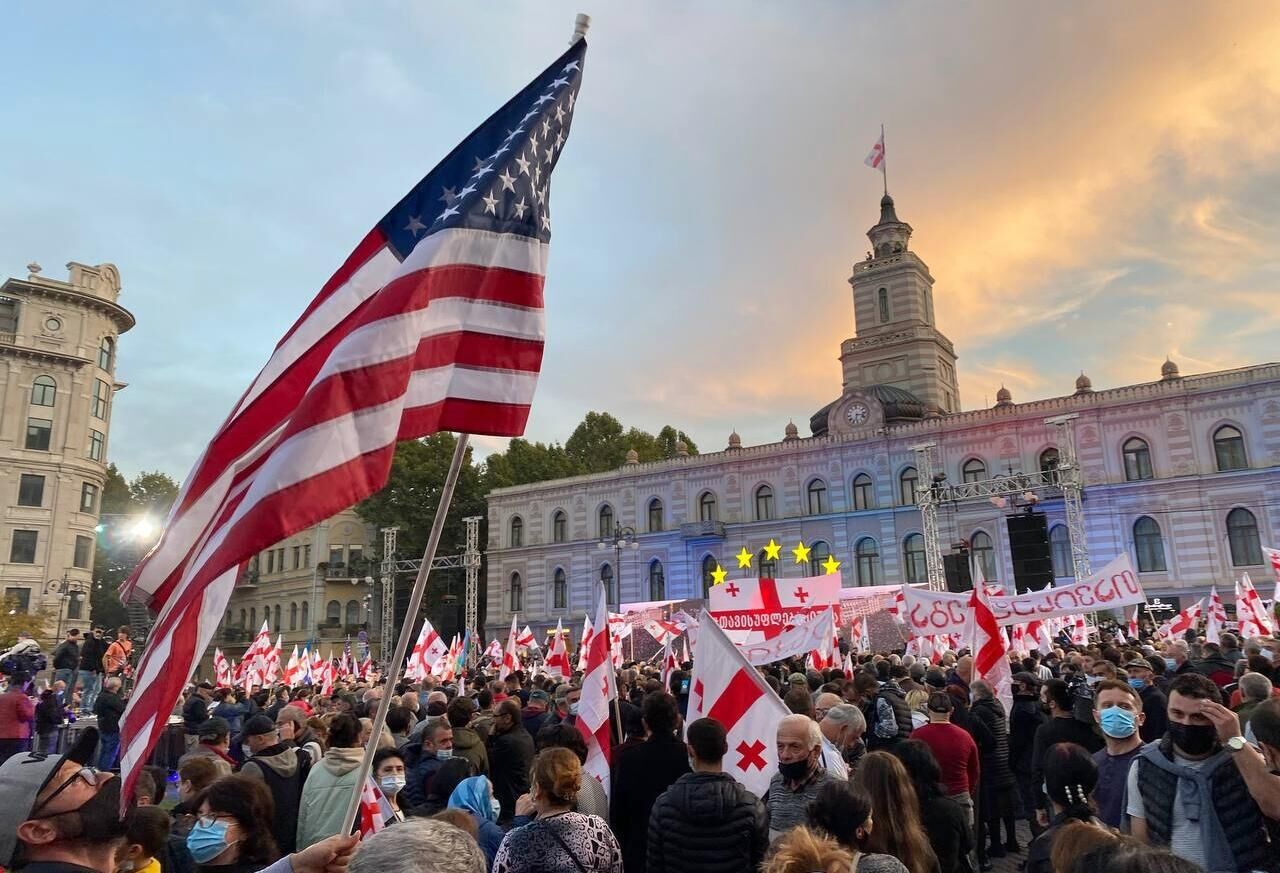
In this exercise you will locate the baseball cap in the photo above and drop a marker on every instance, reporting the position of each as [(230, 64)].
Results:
[(215, 728), (539, 694), (24, 776), (1138, 663), (258, 725)]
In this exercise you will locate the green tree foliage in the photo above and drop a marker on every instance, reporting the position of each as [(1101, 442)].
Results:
[(120, 546)]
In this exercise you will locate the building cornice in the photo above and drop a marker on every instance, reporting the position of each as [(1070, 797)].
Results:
[(67, 293), (7, 349)]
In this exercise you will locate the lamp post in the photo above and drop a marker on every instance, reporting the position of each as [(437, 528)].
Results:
[(66, 588), (621, 538)]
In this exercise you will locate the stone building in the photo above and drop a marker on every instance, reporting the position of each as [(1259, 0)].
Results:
[(1182, 472), (58, 344)]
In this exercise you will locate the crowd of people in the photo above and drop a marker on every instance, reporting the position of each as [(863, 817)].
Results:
[(1110, 759)]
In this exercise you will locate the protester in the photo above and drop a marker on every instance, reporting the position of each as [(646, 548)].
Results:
[(1061, 727), (892, 715), (214, 743), (194, 776), (558, 840), (419, 846), (642, 773), (944, 820), (591, 798), (1142, 676), (292, 727), (232, 833), (115, 662), (995, 783), (799, 775), (50, 716), (1078, 843), (843, 812), (283, 770), (89, 674), (896, 810), (66, 659), (706, 822), (1254, 688), (195, 712), (535, 714), (474, 795), (1117, 707), (109, 707), (1070, 776), (1025, 718), (466, 742), (389, 775), (435, 749), (842, 727), (954, 750), (447, 778), (510, 754), (330, 783), (806, 851), (17, 715), (227, 705), (1190, 768), (146, 840)]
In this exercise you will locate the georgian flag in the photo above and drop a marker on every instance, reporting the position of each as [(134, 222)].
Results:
[(669, 664), (1183, 621), (511, 657), (557, 657), (1133, 623), (875, 158), (427, 652), (662, 630), (990, 648), (375, 811), (584, 643), (1254, 621), (526, 640), (1216, 617), (293, 670), (221, 670), (599, 688)]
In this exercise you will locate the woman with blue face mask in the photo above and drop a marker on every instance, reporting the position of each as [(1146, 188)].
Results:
[(232, 832), (475, 795)]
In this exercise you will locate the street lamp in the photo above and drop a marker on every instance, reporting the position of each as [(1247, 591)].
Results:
[(622, 538), (67, 589)]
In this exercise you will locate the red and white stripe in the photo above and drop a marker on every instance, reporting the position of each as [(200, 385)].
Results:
[(990, 647), (558, 656), (511, 657), (599, 688), (1250, 612)]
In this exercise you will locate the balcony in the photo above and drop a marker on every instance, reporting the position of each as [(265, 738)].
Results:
[(702, 530), (355, 569)]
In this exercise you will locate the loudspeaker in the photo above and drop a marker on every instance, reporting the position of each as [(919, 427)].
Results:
[(1029, 549), (958, 576)]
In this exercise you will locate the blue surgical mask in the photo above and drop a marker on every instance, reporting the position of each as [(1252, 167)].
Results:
[(206, 842), (1137, 684), (1170, 663), (1118, 723)]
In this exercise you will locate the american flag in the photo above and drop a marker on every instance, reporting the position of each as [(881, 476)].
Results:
[(433, 323)]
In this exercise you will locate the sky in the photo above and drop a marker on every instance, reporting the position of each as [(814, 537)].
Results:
[(1093, 185)]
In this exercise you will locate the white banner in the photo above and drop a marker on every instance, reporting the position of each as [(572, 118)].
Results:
[(816, 633), (942, 612)]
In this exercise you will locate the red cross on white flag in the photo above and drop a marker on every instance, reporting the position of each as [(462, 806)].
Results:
[(1216, 618), (875, 159), (1252, 615), (557, 657), (599, 687), (727, 688)]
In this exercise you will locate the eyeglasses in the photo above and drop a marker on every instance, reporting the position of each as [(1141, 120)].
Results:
[(91, 776)]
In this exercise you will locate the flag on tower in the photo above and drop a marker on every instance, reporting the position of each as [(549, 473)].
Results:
[(599, 689), (433, 323), (875, 158)]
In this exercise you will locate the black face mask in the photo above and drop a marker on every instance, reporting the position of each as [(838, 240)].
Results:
[(1194, 739), (97, 819), (795, 770)]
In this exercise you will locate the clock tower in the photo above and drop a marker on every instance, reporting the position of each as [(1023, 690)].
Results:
[(896, 346)]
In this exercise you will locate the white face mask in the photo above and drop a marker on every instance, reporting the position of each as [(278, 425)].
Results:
[(444, 754), (495, 806), (391, 785)]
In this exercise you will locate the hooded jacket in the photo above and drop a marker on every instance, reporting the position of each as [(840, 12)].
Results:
[(281, 769), (325, 796), (467, 744), (708, 823)]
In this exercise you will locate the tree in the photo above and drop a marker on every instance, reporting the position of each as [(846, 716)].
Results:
[(38, 623), (153, 493), (597, 444), (524, 462)]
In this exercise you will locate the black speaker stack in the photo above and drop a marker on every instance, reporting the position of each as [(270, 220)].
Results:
[(1029, 549)]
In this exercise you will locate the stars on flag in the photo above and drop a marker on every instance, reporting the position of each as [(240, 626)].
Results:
[(415, 225), (508, 181)]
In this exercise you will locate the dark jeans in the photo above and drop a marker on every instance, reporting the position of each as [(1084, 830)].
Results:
[(108, 746), (1027, 801), (9, 748)]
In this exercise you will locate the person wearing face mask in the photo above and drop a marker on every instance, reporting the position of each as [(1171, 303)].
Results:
[(799, 774), (60, 815), (475, 796), (1154, 703), (434, 750), (282, 769), (232, 833), (1187, 791), (510, 754), (1117, 709), (466, 742), (389, 774)]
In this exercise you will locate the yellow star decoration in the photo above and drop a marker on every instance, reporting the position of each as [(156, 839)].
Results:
[(831, 565), (744, 558), (772, 551), (801, 552), (718, 574)]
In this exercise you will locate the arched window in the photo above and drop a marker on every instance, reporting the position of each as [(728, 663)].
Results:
[(306, 615), (655, 515), (44, 391), (764, 503), (867, 553), (1242, 536), (768, 566), (1137, 460), (559, 590), (244, 621), (516, 602), (253, 618), (818, 504), (984, 554), (1228, 449), (1149, 545), (864, 493), (333, 613), (708, 567), (559, 526), (106, 353), (606, 521), (657, 581), (1060, 552), (908, 484), (706, 506), (353, 613), (606, 576), (882, 300), (517, 532), (1048, 460), (913, 562), (293, 616), (974, 470), (819, 552), (275, 615)]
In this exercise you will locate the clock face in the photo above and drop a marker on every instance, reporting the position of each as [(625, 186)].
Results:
[(857, 413)]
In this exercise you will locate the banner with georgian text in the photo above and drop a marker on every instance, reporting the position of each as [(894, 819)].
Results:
[(929, 613), (761, 609)]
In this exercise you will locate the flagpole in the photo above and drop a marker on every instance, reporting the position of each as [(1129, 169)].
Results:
[(402, 644), (884, 161)]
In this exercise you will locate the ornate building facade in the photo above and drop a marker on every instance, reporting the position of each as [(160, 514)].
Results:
[(58, 343), (1182, 473)]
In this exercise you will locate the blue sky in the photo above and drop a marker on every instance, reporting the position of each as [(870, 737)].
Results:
[(1092, 186)]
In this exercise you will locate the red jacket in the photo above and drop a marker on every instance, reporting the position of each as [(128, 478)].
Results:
[(17, 712)]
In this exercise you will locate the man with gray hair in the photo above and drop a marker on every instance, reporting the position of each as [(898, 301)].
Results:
[(799, 775), (842, 729), (419, 845), (1254, 688)]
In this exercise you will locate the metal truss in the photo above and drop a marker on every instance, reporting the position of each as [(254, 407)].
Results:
[(1065, 477)]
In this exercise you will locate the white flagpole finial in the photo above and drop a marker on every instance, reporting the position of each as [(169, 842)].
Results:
[(580, 25)]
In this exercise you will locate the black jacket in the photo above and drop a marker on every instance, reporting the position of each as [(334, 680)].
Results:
[(66, 656), (1059, 730), (195, 712), (510, 757), (1024, 718), (947, 825), (707, 823), (640, 775), (108, 708), (91, 653), (1155, 706), (996, 772)]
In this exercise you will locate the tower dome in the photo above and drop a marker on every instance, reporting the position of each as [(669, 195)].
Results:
[(735, 441), (791, 433), (682, 448), (1169, 371), (1004, 397), (1084, 385), (633, 457)]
